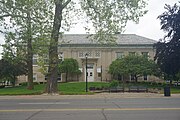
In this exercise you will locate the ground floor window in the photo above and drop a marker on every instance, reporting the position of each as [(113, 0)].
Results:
[(34, 77), (145, 77), (99, 74), (58, 78), (132, 77)]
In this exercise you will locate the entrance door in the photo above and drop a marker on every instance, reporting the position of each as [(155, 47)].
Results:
[(90, 72)]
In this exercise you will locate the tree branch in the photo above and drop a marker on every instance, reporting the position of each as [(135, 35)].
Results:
[(8, 15), (66, 3)]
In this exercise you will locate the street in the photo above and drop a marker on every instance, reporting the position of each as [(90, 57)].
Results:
[(90, 107)]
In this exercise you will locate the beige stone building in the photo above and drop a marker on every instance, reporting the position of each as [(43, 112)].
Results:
[(99, 56)]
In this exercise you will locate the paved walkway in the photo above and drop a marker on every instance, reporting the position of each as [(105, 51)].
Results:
[(99, 95)]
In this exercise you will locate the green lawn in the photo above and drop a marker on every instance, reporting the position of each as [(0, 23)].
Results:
[(22, 90), (64, 88), (79, 87), (75, 88)]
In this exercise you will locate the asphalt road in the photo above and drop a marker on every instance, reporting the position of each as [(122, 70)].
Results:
[(89, 108)]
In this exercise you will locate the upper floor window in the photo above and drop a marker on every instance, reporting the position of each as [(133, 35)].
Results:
[(97, 54), (35, 59), (81, 54), (119, 55), (90, 54), (61, 56)]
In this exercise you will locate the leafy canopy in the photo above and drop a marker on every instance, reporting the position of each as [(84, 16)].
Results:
[(69, 65), (168, 49), (133, 65)]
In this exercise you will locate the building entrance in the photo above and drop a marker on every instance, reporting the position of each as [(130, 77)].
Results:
[(90, 73)]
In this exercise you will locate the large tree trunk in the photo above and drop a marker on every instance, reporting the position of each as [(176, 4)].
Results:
[(29, 53), (136, 78), (51, 86), (66, 76)]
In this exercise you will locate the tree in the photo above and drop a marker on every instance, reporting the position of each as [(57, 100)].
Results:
[(168, 49), (107, 17), (69, 66), (9, 70), (134, 65), (24, 21)]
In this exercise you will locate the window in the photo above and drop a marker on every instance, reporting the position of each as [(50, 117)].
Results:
[(45, 77), (90, 66), (97, 54), (132, 53), (89, 53), (46, 59), (119, 77), (34, 77), (119, 55), (61, 56), (99, 74), (81, 54), (145, 54), (35, 59), (132, 77), (145, 77), (91, 74), (59, 77)]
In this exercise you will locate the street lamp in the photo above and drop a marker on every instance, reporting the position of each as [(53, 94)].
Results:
[(86, 55)]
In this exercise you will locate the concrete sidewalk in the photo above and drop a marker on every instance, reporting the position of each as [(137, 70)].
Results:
[(99, 95)]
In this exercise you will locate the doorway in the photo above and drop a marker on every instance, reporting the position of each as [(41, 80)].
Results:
[(90, 73)]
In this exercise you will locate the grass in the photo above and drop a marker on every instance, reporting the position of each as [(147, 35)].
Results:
[(75, 88), (79, 87), (22, 90), (64, 88)]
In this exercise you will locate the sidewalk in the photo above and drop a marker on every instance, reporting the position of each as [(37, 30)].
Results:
[(97, 96)]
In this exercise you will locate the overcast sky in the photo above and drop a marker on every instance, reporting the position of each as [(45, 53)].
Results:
[(149, 25)]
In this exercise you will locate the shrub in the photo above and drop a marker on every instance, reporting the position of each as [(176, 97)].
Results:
[(114, 83)]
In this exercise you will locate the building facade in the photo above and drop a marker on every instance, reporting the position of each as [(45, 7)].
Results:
[(97, 57)]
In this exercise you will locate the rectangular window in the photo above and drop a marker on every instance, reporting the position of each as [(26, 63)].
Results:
[(145, 54), (61, 56), (119, 55), (132, 77), (97, 54), (34, 77), (89, 53), (46, 59), (132, 53), (45, 77), (99, 74), (59, 77), (145, 77), (35, 59), (81, 54)]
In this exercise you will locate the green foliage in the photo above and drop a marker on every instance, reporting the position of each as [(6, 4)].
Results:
[(109, 17), (178, 76), (69, 66), (64, 88), (9, 70), (134, 65), (24, 23), (168, 49), (76, 88), (114, 83)]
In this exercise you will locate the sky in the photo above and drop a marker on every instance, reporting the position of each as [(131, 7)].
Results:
[(148, 26)]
